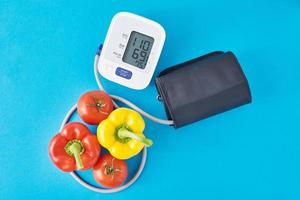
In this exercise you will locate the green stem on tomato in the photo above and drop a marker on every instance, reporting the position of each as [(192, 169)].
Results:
[(125, 133), (75, 148)]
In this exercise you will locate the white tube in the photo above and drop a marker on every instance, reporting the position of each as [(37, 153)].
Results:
[(91, 187), (144, 155)]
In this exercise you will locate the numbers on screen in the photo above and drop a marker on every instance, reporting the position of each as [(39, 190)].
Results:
[(140, 54), (138, 49)]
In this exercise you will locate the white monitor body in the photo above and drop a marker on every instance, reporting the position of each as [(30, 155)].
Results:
[(131, 50)]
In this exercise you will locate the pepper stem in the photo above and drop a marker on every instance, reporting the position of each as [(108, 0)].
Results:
[(75, 148), (125, 133)]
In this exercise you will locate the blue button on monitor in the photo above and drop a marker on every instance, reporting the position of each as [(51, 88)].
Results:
[(124, 73)]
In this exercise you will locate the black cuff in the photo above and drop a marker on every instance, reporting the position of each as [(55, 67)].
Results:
[(202, 87)]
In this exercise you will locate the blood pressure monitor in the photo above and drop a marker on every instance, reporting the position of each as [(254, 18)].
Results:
[(131, 50)]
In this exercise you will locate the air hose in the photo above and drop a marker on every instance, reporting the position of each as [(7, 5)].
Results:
[(129, 104)]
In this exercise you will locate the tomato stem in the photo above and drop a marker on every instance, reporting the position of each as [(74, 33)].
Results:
[(111, 170), (98, 104), (75, 148), (125, 133)]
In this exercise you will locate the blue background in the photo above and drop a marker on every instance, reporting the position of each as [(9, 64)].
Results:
[(252, 152)]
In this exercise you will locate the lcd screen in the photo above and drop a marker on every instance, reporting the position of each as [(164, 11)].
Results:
[(138, 49)]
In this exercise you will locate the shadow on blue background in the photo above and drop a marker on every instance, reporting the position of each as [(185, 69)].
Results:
[(252, 152)]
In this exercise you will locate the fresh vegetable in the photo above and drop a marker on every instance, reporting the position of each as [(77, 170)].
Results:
[(94, 106), (122, 133), (75, 147), (110, 172)]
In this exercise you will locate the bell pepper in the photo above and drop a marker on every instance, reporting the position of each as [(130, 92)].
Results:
[(74, 148), (122, 133)]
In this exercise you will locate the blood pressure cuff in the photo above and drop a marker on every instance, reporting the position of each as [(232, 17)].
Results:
[(202, 87)]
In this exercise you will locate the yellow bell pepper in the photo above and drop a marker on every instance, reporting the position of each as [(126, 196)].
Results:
[(122, 133)]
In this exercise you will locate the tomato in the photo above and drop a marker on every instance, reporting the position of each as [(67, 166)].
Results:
[(110, 172), (94, 106)]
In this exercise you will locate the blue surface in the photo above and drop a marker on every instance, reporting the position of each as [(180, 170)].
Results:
[(46, 57)]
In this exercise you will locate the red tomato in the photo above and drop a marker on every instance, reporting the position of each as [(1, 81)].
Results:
[(94, 106), (110, 172)]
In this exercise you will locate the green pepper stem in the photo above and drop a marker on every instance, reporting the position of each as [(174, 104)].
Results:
[(124, 133), (75, 149)]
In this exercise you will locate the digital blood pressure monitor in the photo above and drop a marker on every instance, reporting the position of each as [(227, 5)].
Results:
[(131, 50)]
